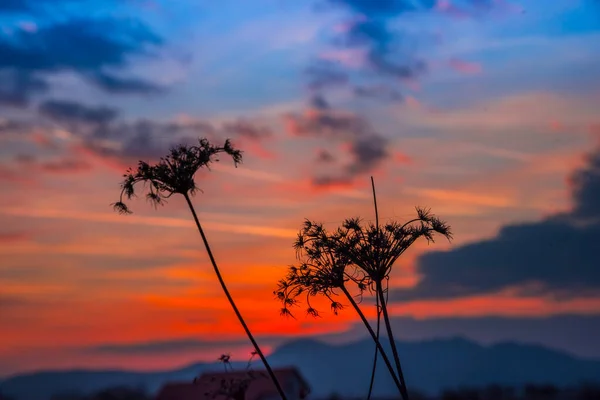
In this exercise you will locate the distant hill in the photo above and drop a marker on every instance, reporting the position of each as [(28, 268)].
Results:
[(429, 366)]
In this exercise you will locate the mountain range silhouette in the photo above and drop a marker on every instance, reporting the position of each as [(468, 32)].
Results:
[(430, 366)]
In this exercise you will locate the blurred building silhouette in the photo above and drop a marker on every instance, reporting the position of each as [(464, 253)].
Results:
[(238, 385)]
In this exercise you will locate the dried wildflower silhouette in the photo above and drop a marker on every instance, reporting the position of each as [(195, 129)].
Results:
[(323, 271), (174, 174), (363, 254), (225, 359), (374, 250)]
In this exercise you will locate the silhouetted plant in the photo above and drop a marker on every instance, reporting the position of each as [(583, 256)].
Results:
[(224, 358), (374, 251), (323, 271), (235, 388), (174, 174), (357, 253)]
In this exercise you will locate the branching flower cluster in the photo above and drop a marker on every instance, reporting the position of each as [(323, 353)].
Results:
[(322, 270), (173, 174), (358, 253)]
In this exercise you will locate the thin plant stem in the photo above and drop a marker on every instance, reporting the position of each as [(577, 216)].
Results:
[(376, 349), (373, 370), (379, 290), (235, 309), (386, 360), (375, 203)]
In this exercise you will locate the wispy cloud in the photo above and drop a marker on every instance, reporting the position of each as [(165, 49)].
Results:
[(523, 111), (153, 221)]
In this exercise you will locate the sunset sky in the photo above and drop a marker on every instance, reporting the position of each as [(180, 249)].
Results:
[(486, 111)]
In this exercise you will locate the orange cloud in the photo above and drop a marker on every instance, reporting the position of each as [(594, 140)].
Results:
[(529, 111), (16, 177), (412, 102), (9, 238), (595, 130), (152, 221), (501, 304), (402, 158), (463, 197), (306, 187), (555, 126)]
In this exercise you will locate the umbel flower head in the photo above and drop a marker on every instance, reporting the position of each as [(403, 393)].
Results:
[(322, 270), (374, 249), (173, 173), (358, 253)]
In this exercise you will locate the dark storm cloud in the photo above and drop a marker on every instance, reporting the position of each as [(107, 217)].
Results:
[(586, 189), (84, 46), (557, 256)]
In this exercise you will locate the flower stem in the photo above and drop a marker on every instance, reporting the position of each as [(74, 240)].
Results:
[(386, 318), (376, 300), (376, 351), (235, 309), (377, 342)]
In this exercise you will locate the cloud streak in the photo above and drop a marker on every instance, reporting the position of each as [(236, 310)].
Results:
[(242, 229)]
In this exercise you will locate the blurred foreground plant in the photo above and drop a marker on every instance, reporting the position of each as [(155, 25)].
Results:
[(235, 388), (360, 254), (174, 174)]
